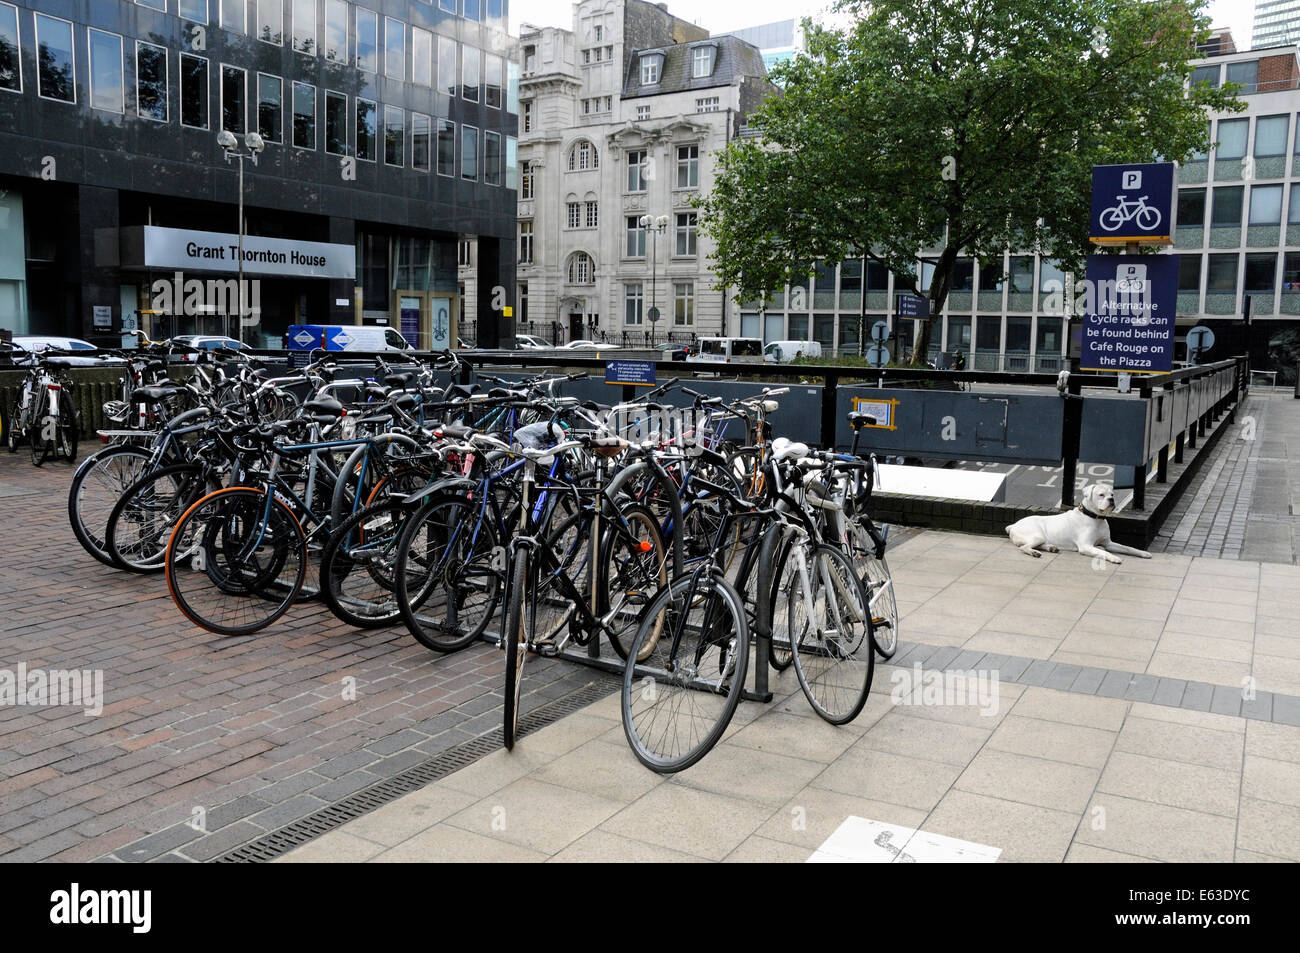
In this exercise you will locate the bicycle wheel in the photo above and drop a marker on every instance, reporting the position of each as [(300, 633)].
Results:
[(879, 585), (450, 572), (830, 634), (141, 523), (358, 567), (780, 655), (96, 487), (515, 639), (36, 433), (11, 429), (67, 436), (678, 701), (633, 566), (233, 567)]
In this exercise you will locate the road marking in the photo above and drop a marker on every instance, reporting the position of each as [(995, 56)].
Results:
[(864, 841)]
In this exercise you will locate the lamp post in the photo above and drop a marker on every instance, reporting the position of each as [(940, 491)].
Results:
[(654, 226), (230, 148)]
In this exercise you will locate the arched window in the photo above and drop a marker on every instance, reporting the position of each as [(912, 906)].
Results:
[(583, 156), (582, 270)]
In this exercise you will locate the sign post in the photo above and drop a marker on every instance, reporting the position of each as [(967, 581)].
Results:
[(1133, 203)]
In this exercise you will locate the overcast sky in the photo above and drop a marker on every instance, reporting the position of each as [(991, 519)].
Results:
[(723, 15)]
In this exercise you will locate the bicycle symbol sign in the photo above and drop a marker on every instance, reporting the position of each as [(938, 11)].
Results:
[(1133, 203), (1147, 218)]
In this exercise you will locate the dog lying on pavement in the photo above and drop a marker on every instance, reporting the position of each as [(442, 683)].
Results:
[(1084, 528)]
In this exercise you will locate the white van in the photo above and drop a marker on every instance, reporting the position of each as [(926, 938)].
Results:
[(727, 351), (346, 337), (781, 352)]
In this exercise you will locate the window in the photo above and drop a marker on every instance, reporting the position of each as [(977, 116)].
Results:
[(269, 89), (492, 158), (446, 66), (469, 152), (194, 91), (154, 4), (447, 6), (688, 167), (1245, 74), (1293, 210), (963, 275), (421, 56), (394, 48), (1261, 273), (586, 56), (1291, 272), (583, 156), (1191, 207), (525, 243), (575, 214), (683, 303), (1197, 154), (650, 66), (270, 20), (512, 162), (1206, 74), (471, 74), (196, 10), (336, 31), (232, 16), (234, 113), (1189, 273), (492, 80), (598, 33), (581, 270), (151, 81), (530, 60), (526, 181), (593, 215), (56, 68), (1271, 135), (471, 8), (1226, 209), (1221, 274), (1265, 205), (642, 113), (11, 70), (635, 237), (702, 61), (366, 132), (446, 147), (528, 117), (421, 130), (686, 238), (710, 104), (636, 169), (633, 303), (107, 82), (336, 124), (1232, 138), (394, 135), (304, 26), (991, 275), (367, 33), (304, 116), (523, 302)]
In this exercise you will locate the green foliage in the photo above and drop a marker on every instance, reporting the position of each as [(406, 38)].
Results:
[(977, 121)]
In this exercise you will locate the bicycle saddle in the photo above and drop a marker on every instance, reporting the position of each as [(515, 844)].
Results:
[(785, 449), (323, 409), (399, 380), (154, 393), (857, 420)]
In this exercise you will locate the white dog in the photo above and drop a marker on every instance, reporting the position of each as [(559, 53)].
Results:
[(1084, 528)]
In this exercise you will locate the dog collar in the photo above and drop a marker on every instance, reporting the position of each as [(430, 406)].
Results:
[(1095, 516)]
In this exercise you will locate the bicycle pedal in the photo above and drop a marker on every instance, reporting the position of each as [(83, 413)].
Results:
[(547, 649)]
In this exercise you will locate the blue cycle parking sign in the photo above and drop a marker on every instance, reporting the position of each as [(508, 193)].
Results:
[(1133, 203), (1130, 303)]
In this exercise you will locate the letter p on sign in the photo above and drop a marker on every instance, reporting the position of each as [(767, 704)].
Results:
[(1132, 180)]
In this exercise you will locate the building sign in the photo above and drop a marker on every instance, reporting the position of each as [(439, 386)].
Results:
[(1129, 308), (637, 373), (884, 411), (913, 307), (1133, 203), (178, 249), (103, 315)]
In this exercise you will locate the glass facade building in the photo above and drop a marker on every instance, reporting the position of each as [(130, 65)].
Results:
[(110, 167)]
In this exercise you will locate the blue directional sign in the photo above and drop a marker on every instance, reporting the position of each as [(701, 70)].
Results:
[(913, 307), (1199, 340), (1133, 203), (1128, 317), (305, 337), (637, 373)]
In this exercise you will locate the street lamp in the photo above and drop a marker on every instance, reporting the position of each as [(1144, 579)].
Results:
[(230, 148), (655, 226)]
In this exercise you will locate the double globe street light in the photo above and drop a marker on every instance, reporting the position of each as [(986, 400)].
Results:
[(230, 148), (654, 226)]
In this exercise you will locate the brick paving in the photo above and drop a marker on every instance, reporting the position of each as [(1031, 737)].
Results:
[(247, 734), (1244, 502)]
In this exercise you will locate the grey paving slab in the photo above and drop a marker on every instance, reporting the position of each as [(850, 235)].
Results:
[(1286, 710), (1225, 700), (966, 661), (1115, 684), (1014, 667), (1197, 696), (1259, 708), (1062, 677), (1142, 688), (1088, 680), (1169, 691), (1036, 672)]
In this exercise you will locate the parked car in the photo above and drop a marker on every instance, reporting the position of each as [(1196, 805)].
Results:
[(727, 351), (36, 343), (782, 352), (207, 342), (590, 346), (529, 342), (674, 352)]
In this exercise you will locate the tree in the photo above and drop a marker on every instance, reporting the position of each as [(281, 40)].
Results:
[(961, 127)]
